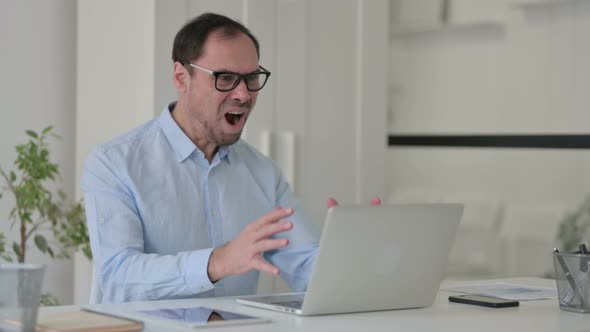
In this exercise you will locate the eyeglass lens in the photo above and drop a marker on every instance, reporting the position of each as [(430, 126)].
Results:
[(254, 82)]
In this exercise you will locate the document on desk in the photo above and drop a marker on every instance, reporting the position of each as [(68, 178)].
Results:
[(504, 290)]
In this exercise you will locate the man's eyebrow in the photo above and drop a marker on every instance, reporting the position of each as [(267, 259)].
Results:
[(256, 71)]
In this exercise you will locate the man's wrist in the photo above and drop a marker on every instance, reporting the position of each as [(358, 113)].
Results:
[(214, 267)]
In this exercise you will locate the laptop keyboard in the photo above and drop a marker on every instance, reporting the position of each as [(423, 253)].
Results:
[(290, 304)]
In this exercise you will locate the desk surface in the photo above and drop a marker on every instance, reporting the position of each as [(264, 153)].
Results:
[(543, 315)]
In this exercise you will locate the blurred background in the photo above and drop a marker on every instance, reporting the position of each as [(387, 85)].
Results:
[(361, 101)]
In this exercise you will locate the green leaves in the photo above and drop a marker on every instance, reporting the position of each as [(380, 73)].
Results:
[(574, 227), (3, 254), (74, 232), (17, 251), (48, 300), (41, 243), (32, 133), (47, 130), (36, 207)]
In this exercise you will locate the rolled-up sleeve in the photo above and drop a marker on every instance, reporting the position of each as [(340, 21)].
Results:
[(124, 270)]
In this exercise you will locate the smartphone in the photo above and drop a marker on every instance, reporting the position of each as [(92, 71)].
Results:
[(485, 301)]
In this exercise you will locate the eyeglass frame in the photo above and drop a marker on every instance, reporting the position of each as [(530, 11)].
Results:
[(241, 77)]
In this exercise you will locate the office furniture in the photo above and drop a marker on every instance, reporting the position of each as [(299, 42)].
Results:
[(538, 316)]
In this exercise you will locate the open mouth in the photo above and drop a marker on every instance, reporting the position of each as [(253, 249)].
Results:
[(233, 117)]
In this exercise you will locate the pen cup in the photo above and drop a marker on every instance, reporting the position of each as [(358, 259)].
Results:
[(573, 281), (20, 290)]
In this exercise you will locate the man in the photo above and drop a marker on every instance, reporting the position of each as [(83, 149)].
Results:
[(180, 207)]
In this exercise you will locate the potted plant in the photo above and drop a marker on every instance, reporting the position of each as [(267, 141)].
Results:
[(574, 227), (37, 209)]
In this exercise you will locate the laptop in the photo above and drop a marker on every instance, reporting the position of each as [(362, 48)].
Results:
[(374, 258)]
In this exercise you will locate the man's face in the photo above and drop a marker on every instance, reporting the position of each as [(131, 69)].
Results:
[(219, 117)]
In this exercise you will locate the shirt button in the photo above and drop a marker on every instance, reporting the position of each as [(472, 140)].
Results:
[(101, 220)]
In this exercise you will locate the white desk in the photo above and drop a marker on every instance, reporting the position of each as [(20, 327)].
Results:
[(539, 316)]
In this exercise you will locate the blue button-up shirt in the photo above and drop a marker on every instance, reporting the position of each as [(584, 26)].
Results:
[(156, 208)]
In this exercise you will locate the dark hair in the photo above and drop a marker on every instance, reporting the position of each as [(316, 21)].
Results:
[(189, 41)]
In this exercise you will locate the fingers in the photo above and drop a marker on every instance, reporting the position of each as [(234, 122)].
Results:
[(244, 252), (267, 231), (331, 202), (375, 201), (262, 265), (271, 217), (270, 244), (259, 263)]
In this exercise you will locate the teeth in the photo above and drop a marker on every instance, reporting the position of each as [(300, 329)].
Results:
[(236, 113)]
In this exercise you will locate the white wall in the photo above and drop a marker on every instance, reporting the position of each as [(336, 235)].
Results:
[(115, 83), (115, 76), (528, 74), (37, 85)]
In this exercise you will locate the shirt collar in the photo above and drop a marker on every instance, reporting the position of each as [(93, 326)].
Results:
[(224, 152), (182, 144)]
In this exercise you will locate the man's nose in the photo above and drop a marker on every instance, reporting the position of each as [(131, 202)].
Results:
[(241, 92)]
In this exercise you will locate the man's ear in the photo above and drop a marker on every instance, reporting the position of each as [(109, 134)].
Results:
[(181, 78)]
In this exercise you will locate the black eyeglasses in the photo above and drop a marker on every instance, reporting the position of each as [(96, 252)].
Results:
[(226, 80)]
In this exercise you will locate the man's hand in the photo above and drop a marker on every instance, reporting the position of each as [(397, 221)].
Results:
[(244, 253), (332, 202)]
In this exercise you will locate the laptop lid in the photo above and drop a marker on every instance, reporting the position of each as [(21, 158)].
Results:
[(381, 257), (377, 258)]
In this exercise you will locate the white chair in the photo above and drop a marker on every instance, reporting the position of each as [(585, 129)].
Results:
[(477, 248), (530, 234)]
